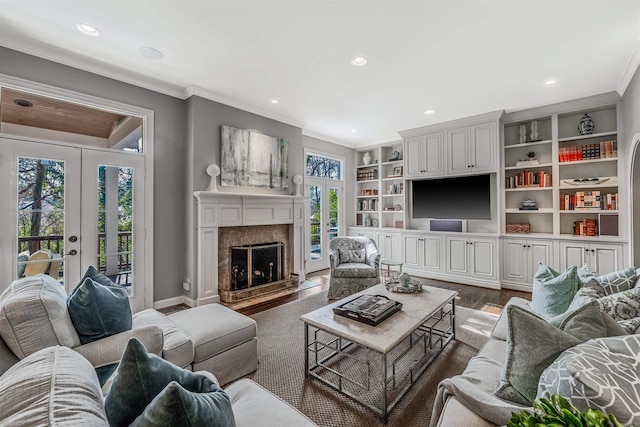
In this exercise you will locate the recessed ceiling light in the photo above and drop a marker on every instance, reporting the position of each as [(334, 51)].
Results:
[(353, 130), (23, 103), (88, 30), (151, 53), (274, 101), (359, 61), (430, 111), (549, 82)]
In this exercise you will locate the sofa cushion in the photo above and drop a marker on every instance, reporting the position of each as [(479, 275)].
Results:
[(33, 316), (624, 307), (552, 291), (52, 387), (98, 310), (23, 257), (352, 270), (351, 255), (251, 402), (602, 373), (148, 390), (177, 347), (40, 263), (533, 344)]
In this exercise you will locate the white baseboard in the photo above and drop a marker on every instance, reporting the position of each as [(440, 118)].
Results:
[(173, 301)]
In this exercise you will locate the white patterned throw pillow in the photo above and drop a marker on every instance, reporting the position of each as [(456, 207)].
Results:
[(624, 307), (602, 373)]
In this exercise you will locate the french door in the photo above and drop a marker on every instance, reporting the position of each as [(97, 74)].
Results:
[(325, 199), (67, 208)]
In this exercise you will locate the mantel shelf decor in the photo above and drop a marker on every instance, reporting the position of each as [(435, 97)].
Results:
[(251, 159)]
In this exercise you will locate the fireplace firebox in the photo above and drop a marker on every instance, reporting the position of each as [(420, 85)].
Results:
[(256, 265)]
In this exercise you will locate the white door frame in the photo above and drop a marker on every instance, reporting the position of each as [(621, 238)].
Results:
[(147, 136)]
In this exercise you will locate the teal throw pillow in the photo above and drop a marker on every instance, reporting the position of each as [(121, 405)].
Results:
[(96, 276), (150, 391), (532, 345), (97, 310), (553, 292), (23, 257)]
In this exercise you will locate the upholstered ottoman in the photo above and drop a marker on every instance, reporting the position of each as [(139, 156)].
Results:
[(224, 341)]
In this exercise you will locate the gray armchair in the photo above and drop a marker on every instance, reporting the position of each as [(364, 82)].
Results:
[(355, 265)]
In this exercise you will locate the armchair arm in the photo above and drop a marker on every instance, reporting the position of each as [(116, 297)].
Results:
[(108, 351), (334, 260), (373, 259)]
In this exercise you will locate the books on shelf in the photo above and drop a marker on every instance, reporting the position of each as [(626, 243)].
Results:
[(585, 227), (597, 150), (529, 179), (589, 201), (367, 174)]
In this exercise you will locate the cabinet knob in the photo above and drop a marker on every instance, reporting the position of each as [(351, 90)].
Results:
[(468, 166)]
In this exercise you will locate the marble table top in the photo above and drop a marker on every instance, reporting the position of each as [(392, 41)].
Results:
[(416, 309)]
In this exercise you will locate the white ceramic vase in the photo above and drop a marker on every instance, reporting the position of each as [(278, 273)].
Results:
[(366, 159)]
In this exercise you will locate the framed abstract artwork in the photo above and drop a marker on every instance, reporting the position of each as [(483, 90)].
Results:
[(251, 159)]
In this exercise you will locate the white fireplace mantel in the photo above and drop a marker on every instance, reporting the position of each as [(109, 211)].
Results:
[(218, 209)]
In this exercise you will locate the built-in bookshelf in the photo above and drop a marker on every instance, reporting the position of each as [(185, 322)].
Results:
[(380, 187), (572, 177)]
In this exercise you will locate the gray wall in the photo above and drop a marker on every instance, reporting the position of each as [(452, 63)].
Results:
[(170, 154), (631, 125)]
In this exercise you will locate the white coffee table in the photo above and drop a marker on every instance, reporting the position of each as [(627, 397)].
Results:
[(377, 365)]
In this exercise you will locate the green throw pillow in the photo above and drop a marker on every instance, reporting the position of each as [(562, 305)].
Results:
[(98, 311), (584, 323), (533, 344), (553, 292), (150, 391)]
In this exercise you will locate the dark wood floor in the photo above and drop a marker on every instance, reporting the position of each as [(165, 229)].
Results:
[(489, 300)]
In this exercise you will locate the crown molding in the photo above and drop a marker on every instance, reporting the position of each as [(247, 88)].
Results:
[(311, 134), (95, 67), (216, 97), (629, 70)]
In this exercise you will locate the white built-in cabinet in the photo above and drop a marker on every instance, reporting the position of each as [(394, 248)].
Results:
[(423, 252), (425, 155), (472, 149), (521, 259), (389, 245), (600, 257), (471, 256)]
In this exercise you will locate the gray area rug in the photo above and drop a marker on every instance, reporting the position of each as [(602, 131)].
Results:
[(281, 368)]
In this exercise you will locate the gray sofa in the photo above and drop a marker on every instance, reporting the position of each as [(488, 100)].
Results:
[(47, 377), (57, 386), (470, 398)]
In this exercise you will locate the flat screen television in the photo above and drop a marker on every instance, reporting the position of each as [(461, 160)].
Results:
[(464, 197)]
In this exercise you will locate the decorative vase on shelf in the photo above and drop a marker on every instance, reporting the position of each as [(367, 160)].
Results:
[(534, 130), (523, 134), (586, 125), (366, 159)]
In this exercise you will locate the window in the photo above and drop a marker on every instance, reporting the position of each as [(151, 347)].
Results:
[(324, 167)]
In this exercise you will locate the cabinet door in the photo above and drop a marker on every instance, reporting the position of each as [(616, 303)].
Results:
[(414, 156), (458, 155), (412, 255), (434, 154), (538, 251), (389, 246), (605, 258), (482, 148), (457, 255), (432, 253), (573, 253), (482, 253), (514, 265)]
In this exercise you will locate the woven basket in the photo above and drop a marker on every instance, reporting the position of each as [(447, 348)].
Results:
[(518, 228)]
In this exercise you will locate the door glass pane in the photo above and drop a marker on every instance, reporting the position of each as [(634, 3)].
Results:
[(316, 222), (115, 223), (41, 217), (334, 208)]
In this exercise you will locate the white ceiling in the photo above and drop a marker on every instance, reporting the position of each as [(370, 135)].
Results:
[(459, 58)]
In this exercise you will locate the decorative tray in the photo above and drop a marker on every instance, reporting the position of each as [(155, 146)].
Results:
[(369, 309), (413, 287)]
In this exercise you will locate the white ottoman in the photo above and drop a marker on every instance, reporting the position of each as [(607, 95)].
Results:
[(224, 341)]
